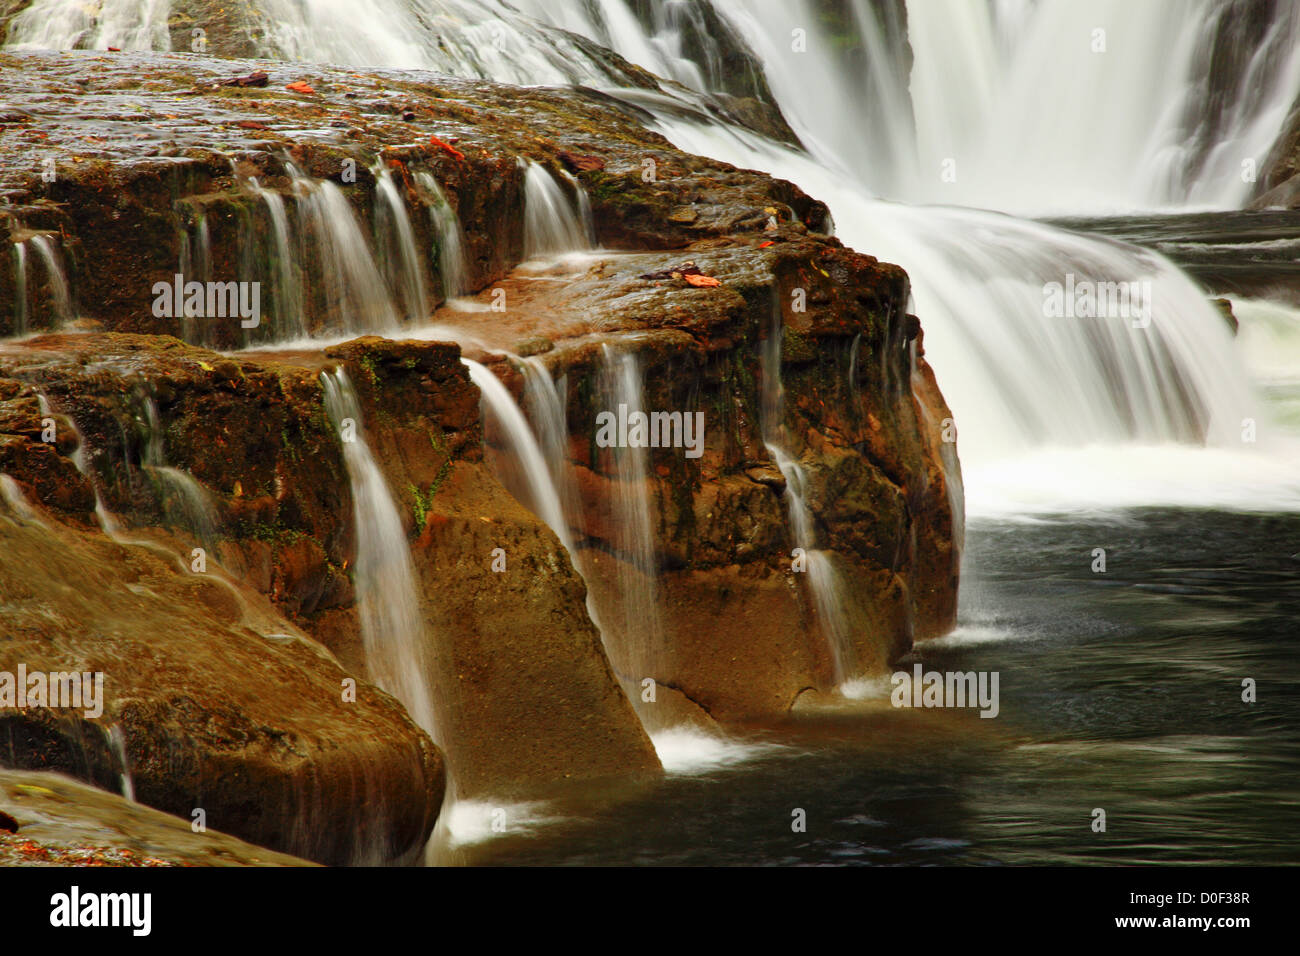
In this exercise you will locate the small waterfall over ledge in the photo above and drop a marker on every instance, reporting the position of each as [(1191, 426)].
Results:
[(534, 474), (449, 235), (20, 288), (47, 250), (388, 595), (552, 224), (286, 286), (823, 579), (350, 280), (397, 250), (640, 645), (185, 502)]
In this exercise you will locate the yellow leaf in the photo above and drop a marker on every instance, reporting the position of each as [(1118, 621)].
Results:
[(206, 367), (239, 490)]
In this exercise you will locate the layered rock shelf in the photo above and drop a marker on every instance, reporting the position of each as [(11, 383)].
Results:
[(178, 509)]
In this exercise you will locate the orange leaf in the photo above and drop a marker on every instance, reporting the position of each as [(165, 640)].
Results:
[(299, 87), (447, 146), (706, 282)]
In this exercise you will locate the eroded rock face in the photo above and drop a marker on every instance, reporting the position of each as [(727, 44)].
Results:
[(535, 693), (740, 634), (255, 434), (221, 705)]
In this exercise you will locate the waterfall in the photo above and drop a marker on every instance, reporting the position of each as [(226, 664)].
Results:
[(396, 241), (345, 275), (117, 744), (17, 502), (1034, 107), (540, 490), (124, 24), (20, 288), (536, 470), (823, 579), (449, 236), (60, 294), (551, 223), (108, 523), (388, 593), (290, 320), (546, 402), (633, 523), (585, 215), (196, 266), (184, 501)]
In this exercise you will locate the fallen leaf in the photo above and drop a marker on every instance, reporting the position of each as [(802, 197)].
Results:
[(700, 281), (433, 140), (298, 86)]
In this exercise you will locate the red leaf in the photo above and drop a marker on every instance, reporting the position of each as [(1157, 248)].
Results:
[(447, 146)]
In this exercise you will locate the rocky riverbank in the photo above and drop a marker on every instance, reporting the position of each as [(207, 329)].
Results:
[(132, 438)]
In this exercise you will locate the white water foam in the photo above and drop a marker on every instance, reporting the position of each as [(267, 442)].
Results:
[(686, 750)]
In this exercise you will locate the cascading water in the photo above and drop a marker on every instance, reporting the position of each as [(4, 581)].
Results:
[(388, 595), (108, 522), (449, 235), (60, 294), (395, 240), (633, 521), (551, 223), (538, 489), (585, 215), (346, 274), (20, 288), (184, 500), (290, 321), (482, 38), (545, 400), (1024, 385), (823, 579), (117, 744), (196, 266), (536, 469), (933, 82), (12, 495), (123, 24)]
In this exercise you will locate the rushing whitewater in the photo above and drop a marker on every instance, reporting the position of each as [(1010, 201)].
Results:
[(1015, 106)]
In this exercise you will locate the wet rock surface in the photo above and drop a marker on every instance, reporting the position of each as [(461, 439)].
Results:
[(63, 822), (150, 157), (210, 700)]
